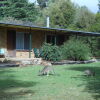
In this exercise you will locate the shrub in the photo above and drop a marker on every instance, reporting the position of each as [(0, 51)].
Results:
[(76, 50), (93, 43), (51, 52)]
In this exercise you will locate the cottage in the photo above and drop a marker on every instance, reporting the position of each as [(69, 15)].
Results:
[(18, 40)]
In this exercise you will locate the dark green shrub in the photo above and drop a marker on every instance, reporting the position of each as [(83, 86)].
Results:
[(76, 50), (51, 52), (93, 43)]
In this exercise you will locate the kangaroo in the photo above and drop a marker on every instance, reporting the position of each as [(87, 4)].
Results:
[(89, 72), (47, 70)]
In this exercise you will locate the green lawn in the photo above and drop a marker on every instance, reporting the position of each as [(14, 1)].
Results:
[(69, 83)]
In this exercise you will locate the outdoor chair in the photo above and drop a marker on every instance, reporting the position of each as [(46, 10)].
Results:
[(40, 52), (2, 52), (37, 52)]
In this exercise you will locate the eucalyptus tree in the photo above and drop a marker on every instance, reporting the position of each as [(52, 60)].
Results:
[(61, 13), (95, 27), (99, 6), (84, 18)]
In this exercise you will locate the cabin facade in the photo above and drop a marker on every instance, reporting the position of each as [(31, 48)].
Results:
[(18, 41)]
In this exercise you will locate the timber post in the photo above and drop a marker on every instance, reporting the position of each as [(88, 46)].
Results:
[(30, 43)]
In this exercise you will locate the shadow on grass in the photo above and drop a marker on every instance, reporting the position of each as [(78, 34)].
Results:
[(11, 89), (92, 83)]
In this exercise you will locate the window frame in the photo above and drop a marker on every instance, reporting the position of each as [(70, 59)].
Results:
[(56, 39), (23, 43)]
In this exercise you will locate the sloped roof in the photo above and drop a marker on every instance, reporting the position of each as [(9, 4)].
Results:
[(30, 26)]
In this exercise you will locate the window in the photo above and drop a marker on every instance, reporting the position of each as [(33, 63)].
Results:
[(22, 41), (60, 39), (55, 39), (26, 41), (51, 39)]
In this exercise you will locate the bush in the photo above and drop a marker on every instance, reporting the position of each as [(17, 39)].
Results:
[(76, 50), (94, 44), (51, 52)]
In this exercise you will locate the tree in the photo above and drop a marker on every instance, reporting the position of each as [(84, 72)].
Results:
[(32, 12), (19, 9), (4, 7), (83, 18), (42, 3), (95, 27), (99, 6), (61, 13)]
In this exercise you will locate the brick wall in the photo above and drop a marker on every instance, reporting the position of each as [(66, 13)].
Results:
[(24, 54), (37, 39)]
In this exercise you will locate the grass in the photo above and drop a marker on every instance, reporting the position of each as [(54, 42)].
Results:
[(69, 83)]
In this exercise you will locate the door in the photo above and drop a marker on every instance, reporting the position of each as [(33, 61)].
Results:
[(11, 43)]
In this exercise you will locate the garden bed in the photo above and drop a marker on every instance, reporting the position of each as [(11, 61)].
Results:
[(73, 62), (9, 63)]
